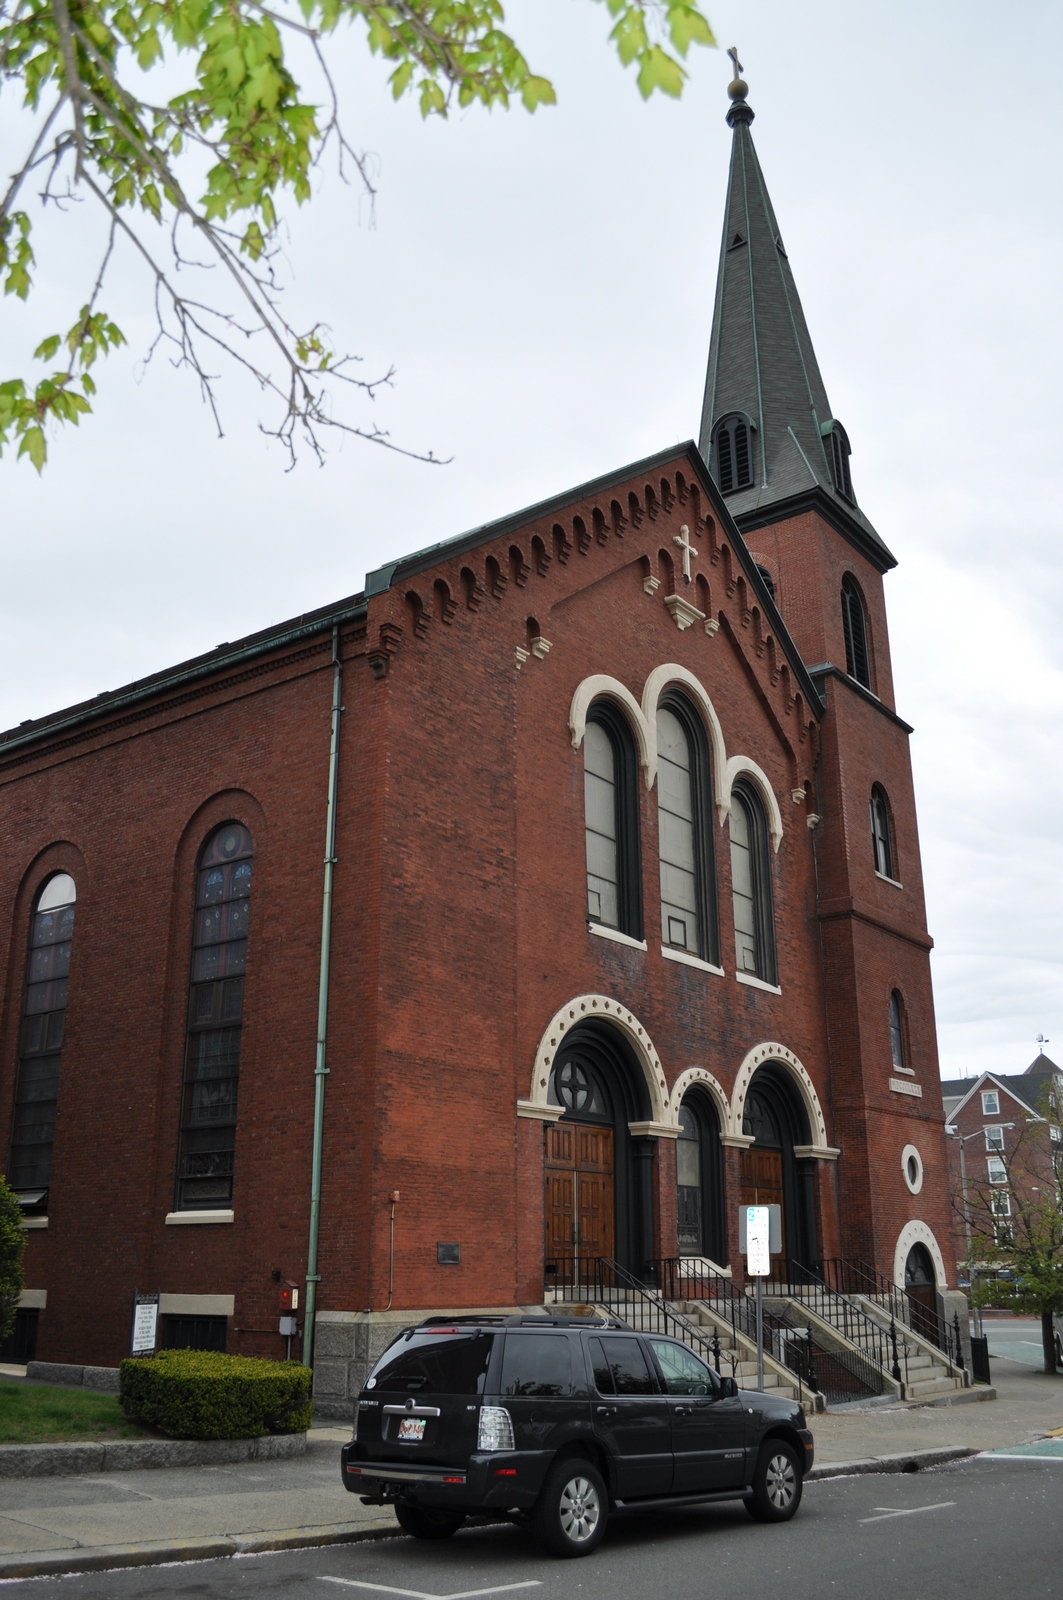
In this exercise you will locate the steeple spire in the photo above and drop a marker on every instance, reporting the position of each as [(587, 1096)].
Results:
[(779, 447)]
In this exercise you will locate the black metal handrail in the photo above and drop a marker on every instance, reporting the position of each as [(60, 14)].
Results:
[(838, 1375), (885, 1348), (861, 1278)]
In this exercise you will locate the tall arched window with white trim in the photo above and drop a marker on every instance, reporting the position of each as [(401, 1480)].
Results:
[(215, 1020), (897, 1050), (611, 820), (881, 842), (41, 1042), (684, 798), (751, 885)]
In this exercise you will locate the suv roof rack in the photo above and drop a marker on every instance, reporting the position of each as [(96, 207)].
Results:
[(524, 1320)]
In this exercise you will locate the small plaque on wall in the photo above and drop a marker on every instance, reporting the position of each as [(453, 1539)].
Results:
[(448, 1255)]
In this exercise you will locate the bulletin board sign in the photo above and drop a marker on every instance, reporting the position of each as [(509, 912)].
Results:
[(145, 1324)]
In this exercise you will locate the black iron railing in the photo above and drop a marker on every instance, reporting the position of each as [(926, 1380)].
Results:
[(861, 1278), (839, 1376), (884, 1348)]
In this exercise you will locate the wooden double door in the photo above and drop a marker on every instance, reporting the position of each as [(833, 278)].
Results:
[(580, 1191)]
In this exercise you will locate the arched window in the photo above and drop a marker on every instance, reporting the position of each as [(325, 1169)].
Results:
[(215, 1012), (897, 1052), (611, 801), (751, 884), (732, 454), (41, 1042), (684, 788), (881, 846), (767, 579), (857, 658), (699, 1180), (838, 454)]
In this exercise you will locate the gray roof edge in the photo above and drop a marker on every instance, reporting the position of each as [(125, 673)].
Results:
[(249, 648), (379, 581), (855, 528), (827, 669)]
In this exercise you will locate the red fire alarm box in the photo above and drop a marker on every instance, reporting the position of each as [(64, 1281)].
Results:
[(289, 1297)]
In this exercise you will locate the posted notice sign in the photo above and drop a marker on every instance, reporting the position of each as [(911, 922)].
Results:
[(758, 1241), (145, 1324)]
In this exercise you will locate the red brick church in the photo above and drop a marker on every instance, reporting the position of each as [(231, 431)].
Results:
[(620, 921)]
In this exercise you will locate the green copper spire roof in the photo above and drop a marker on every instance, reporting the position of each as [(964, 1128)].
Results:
[(762, 367)]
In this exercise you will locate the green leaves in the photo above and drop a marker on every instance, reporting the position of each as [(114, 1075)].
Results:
[(242, 118)]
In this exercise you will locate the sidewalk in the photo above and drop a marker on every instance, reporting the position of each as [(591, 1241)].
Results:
[(50, 1525)]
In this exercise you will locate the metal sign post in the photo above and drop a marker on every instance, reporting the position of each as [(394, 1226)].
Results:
[(759, 1233)]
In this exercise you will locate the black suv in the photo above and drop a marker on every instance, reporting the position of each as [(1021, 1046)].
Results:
[(563, 1420)]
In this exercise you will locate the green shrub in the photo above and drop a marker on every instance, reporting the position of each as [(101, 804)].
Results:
[(202, 1394)]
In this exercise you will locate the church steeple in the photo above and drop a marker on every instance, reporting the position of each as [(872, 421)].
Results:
[(768, 434)]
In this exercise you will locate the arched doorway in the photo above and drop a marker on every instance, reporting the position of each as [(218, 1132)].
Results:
[(920, 1279), (699, 1180), (775, 1117), (599, 1195)]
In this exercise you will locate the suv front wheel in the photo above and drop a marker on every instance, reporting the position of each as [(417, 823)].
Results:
[(572, 1510), (776, 1483), (425, 1523)]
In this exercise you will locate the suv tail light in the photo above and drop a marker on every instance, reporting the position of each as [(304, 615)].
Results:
[(496, 1429)]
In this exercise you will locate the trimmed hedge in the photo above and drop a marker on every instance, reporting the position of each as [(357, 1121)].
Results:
[(203, 1394)]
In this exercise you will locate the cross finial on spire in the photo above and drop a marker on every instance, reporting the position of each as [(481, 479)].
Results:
[(737, 89), (733, 53)]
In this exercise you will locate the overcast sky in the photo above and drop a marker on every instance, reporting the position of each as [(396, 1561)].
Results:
[(543, 286)]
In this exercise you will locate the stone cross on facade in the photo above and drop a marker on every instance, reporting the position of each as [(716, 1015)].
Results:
[(682, 539)]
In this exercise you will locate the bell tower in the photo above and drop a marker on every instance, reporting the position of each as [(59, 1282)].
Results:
[(782, 461)]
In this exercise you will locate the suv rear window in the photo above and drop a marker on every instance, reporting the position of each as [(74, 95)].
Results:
[(620, 1366), (434, 1363), (537, 1363)]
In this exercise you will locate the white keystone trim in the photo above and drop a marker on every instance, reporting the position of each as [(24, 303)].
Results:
[(743, 767), (586, 1008), (714, 1089), (757, 1057), (917, 1233), (601, 686)]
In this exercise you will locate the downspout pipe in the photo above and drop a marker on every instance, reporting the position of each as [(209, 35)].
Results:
[(313, 1277)]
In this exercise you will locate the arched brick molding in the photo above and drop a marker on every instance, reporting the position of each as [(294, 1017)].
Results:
[(599, 1008), (781, 1056), (659, 680), (599, 687), (743, 767), (917, 1233), (713, 1088)]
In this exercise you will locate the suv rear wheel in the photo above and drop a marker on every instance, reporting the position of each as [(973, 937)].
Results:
[(572, 1510), (425, 1523), (776, 1483)]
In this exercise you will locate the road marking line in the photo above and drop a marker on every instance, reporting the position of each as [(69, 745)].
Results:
[(910, 1512), (1002, 1455), (420, 1594)]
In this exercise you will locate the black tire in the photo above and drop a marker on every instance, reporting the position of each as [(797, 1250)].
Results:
[(777, 1483), (571, 1513), (424, 1522)]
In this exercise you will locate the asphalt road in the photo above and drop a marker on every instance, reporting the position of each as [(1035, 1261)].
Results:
[(980, 1526)]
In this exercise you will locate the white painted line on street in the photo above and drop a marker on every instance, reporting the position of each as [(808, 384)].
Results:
[(421, 1594), (911, 1511), (1001, 1455)]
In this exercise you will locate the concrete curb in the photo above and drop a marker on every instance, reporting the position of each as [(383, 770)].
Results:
[(54, 1563), (906, 1461), (128, 1455)]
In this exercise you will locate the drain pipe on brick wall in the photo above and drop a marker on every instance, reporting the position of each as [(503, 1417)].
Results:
[(313, 1277)]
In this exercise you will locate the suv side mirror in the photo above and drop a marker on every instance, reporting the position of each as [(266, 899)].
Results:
[(728, 1389)]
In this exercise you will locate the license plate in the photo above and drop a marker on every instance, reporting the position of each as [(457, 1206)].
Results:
[(412, 1428)]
